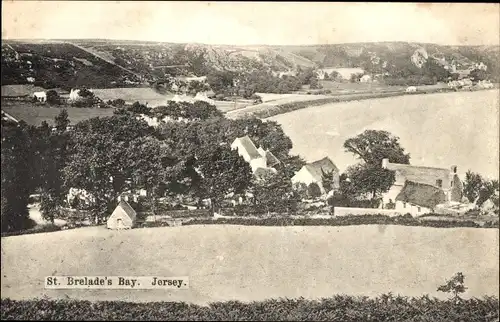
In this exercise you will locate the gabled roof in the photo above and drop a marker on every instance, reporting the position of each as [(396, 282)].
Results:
[(20, 90), (426, 175), (421, 194), (128, 209), (249, 147), (317, 168), (272, 160)]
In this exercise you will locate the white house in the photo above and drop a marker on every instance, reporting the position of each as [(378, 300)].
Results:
[(256, 158), (422, 188), (74, 94), (411, 89), (313, 173), (123, 217), (40, 96)]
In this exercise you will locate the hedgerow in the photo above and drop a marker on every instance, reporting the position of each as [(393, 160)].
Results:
[(337, 308), (335, 221)]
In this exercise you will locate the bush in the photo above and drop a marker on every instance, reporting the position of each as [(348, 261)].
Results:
[(337, 308)]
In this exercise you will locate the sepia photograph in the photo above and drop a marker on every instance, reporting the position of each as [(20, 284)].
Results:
[(250, 161)]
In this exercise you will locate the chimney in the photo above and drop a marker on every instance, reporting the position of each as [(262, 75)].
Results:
[(385, 163), (453, 169)]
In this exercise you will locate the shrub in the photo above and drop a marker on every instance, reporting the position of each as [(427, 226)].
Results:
[(386, 307)]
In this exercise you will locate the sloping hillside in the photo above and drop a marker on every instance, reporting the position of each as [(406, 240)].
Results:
[(101, 63), (59, 64)]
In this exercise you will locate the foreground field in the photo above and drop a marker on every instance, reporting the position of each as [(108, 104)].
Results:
[(436, 129), (255, 263)]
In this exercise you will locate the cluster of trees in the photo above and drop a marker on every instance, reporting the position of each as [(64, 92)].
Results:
[(478, 189), (109, 156), (245, 85)]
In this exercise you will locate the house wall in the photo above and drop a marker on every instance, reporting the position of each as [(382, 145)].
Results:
[(119, 213), (258, 163), (304, 176), (414, 210), (391, 194)]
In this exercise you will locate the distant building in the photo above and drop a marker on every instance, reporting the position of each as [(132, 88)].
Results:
[(313, 173), (123, 217), (416, 188), (40, 96), (256, 158)]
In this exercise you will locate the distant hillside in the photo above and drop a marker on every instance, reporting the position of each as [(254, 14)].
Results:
[(103, 63), (59, 65)]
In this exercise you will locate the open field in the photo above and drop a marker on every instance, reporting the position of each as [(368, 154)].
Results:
[(35, 115), (255, 263), (436, 129)]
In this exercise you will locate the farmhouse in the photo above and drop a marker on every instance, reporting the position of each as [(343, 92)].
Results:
[(414, 184), (419, 198), (257, 158), (123, 217), (313, 173), (40, 96)]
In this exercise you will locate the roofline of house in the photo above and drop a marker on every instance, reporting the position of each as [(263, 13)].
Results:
[(10, 116), (418, 166)]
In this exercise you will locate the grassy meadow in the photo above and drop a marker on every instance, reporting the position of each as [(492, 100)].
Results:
[(248, 263)]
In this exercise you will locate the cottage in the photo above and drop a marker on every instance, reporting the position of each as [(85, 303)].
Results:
[(257, 158), (40, 96), (313, 173), (123, 217), (408, 176), (411, 89), (419, 198)]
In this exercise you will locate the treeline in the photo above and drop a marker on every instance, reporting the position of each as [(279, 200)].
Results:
[(260, 81)]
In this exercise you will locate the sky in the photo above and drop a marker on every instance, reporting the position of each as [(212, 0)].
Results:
[(252, 23)]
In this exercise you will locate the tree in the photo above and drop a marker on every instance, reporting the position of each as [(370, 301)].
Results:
[(369, 179), (472, 185), (138, 108), (54, 159), (274, 193), (100, 159), (53, 97), (154, 167), (15, 178), (222, 172), (372, 146), (478, 75), (327, 180), (313, 190), (455, 285)]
